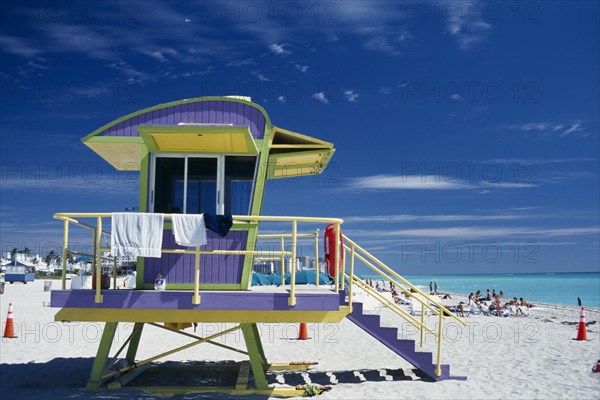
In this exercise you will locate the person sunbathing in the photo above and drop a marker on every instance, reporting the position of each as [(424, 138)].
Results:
[(525, 303), (461, 309)]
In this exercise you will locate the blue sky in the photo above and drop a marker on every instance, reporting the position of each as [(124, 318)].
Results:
[(466, 132)]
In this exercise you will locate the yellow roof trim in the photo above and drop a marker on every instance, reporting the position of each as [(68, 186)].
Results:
[(211, 139), (285, 137)]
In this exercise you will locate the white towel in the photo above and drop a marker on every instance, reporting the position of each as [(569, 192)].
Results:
[(189, 229), (136, 235)]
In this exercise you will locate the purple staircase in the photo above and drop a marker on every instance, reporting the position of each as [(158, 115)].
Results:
[(423, 361)]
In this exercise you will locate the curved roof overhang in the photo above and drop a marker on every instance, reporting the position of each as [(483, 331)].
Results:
[(289, 153)]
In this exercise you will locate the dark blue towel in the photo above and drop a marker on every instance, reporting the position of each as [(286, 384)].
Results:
[(220, 224)]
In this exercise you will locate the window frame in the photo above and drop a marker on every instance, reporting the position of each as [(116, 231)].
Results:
[(220, 195)]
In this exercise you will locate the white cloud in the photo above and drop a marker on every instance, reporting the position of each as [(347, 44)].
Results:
[(472, 232), (240, 63), (382, 44), (407, 182), (561, 129), (508, 185), (385, 90), (351, 95), (281, 99), (431, 218), (31, 67), (466, 25), (260, 76), (18, 46), (278, 49), (162, 55), (301, 68), (131, 74), (320, 97), (536, 126), (430, 182), (576, 127)]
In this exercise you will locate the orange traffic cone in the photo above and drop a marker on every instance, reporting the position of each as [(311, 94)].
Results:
[(303, 331), (9, 330), (581, 333)]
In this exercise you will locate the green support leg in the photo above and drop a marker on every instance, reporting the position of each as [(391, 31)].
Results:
[(134, 342), (101, 356), (257, 355)]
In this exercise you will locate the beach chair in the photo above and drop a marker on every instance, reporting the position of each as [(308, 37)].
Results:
[(524, 311), (485, 310), (415, 306)]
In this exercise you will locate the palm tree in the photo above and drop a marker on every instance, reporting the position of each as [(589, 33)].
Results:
[(25, 251), (13, 253), (51, 256)]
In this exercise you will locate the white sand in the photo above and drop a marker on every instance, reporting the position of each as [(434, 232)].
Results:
[(503, 358)]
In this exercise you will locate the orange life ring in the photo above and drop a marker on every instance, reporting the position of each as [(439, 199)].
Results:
[(329, 247)]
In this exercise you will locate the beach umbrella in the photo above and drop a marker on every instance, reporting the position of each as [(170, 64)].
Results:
[(260, 280), (302, 277), (276, 279)]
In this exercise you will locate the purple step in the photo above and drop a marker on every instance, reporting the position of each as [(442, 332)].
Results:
[(423, 358), (405, 348), (406, 343), (389, 333), (371, 320)]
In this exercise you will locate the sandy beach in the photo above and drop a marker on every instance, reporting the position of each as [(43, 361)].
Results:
[(532, 357)]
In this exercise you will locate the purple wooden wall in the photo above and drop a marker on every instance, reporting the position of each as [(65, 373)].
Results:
[(217, 269), (206, 112)]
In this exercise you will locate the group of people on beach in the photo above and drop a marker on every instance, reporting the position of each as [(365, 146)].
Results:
[(380, 286), (494, 304)]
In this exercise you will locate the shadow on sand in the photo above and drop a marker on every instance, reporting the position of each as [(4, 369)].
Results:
[(67, 377)]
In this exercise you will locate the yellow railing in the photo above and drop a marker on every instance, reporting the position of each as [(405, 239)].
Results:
[(357, 252), (73, 218), (281, 237)]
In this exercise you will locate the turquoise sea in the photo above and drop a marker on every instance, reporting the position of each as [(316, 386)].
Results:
[(556, 288)]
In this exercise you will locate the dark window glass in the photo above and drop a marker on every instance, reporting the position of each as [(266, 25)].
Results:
[(168, 192), (239, 176), (202, 185)]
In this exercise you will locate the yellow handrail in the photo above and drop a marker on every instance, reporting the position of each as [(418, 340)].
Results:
[(356, 253), (97, 231), (368, 259), (392, 306), (410, 285), (387, 277)]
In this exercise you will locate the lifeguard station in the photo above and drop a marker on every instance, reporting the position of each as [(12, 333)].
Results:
[(214, 155)]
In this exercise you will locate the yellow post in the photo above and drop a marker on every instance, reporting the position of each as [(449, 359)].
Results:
[(196, 296), (114, 272), (343, 267), (98, 238), (337, 257), (317, 256), (438, 365), (351, 284), (65, 255), (422, 322), (282, 261), (292, 299)]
